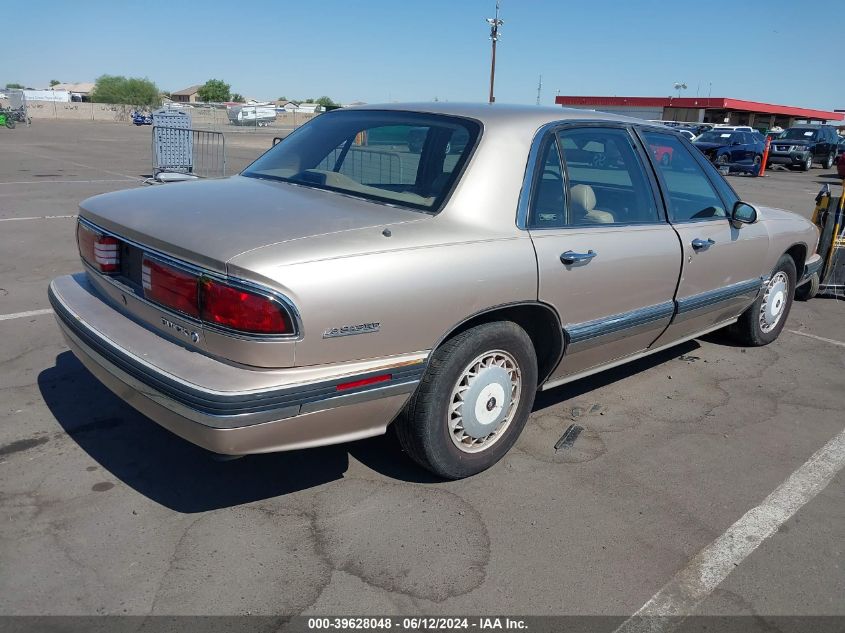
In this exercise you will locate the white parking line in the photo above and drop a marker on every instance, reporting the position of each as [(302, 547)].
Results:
[(37, 217), (695, 582), (21, 315), (818, 338)]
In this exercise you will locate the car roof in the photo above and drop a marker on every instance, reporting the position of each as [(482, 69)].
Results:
[(504, 114)]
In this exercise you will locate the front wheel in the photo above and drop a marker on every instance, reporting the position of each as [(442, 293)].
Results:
[(762, 323), (809, 290), (808, 163), (472, 402), (10, 123)]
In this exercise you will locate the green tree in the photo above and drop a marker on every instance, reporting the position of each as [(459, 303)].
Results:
[(54, 82), (15, 86), (131, 91), (214, 91), (326, 102), (238, 97), (282, 99)]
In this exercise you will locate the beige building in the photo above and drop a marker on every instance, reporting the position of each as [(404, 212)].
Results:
[(186, 95)]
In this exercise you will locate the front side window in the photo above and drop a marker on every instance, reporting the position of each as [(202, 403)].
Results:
[(689, 193), (405, 158)]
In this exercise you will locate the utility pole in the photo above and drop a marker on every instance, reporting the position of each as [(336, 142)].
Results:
[(539, 89), (494, 23)]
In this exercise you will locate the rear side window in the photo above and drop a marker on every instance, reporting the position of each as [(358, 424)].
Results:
[(404, 158), (606, 183), (689, 193)]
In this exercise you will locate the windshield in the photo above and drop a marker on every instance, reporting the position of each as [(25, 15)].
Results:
[(799, 133), (717, 137), (406, 158)]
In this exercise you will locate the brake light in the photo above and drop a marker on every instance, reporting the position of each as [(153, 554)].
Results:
[(102, 252), (242, 310), (170, 287)]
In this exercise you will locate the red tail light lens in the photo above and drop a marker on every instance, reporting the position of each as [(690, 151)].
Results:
[(242, 310), (170, 287), (98, 250)]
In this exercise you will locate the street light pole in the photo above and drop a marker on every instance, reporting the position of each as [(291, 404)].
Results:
[(494, 23)]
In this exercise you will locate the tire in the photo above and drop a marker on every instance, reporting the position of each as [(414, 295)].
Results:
[(757, 160), (809, 289), (433, 430), (827, 164), (808, 163), (760, 325), (10, 123)]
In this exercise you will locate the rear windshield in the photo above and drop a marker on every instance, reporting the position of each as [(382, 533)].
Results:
[(405, 158)]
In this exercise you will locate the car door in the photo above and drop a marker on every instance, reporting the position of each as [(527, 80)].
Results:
[(736, 147), (722, 265), (608, 261)]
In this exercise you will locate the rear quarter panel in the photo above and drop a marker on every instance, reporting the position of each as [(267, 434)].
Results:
[(415, 284)]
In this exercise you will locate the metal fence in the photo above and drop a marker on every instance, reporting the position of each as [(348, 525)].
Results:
[(367, 165), (197, 152)]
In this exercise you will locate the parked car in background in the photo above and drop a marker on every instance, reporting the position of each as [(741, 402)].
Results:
[(840, 150), (726, 147), (802, 145), (323, 293), (686, 132), (735, 128)]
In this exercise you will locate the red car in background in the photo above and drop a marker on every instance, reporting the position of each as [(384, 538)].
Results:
[(662, 153)]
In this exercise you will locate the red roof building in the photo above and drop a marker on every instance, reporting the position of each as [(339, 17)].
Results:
[(703, 110)]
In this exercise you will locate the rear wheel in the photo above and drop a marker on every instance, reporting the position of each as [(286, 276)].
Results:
[(472, 402), (762, 323), (828, 163)]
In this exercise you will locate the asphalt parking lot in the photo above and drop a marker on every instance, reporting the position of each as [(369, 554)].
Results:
[(104, 512)]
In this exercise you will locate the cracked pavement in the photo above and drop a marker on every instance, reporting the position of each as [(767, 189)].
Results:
[(104, 512)]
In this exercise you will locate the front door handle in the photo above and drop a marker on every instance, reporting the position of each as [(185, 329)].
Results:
[(571, 257), (702, 245)]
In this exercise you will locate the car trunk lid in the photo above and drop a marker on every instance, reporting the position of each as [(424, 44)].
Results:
[(209, 222)]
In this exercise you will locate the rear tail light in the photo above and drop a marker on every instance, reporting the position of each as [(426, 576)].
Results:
[(102, 252), (239, 309), (170, 287), (210, 300)]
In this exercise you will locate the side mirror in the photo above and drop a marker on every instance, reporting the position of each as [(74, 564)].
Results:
[(743, 213)]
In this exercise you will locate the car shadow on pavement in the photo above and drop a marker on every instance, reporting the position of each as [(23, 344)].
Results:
[(184, 477), (579, 387)]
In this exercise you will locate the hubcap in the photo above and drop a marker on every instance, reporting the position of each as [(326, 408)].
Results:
[(484, 401), (774, 301)]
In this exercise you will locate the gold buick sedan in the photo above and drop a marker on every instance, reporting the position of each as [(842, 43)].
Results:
[(429, 266)]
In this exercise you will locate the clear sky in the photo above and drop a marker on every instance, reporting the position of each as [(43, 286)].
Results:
[(777, 51)]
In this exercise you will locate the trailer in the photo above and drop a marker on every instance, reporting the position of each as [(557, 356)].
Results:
[(257, 115)]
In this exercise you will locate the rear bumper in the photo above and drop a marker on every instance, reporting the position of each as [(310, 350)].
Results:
[(224, 408)]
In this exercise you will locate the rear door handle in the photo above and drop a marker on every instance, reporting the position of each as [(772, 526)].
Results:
[(702, 245), (571, 257)]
